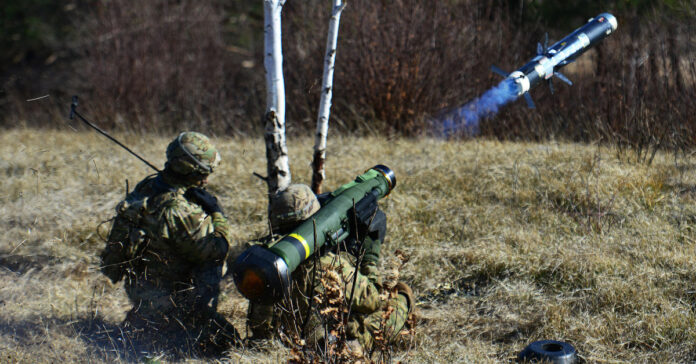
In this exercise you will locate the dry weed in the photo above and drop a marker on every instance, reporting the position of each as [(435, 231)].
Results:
[(509, 243)]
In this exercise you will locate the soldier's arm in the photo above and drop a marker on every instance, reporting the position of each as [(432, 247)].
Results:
[(372, 244), (366, 296), (196, 235)]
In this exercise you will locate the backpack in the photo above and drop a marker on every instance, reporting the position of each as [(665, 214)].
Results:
[(127, 240)]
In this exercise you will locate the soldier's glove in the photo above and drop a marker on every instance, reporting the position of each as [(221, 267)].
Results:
[(208, 202), (371, 249)]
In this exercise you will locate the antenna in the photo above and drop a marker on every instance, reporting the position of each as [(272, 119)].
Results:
[(73, 112)]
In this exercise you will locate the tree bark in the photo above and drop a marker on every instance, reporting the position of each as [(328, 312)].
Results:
[(278, 167), (318, 172)]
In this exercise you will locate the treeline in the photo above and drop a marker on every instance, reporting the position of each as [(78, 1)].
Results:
[(171, 64)]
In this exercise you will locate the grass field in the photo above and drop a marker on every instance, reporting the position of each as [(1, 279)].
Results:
[(508, 242)]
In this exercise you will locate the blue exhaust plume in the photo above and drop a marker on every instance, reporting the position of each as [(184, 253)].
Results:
[(465, 119)]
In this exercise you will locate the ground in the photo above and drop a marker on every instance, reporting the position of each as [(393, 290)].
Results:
[(508, 243)]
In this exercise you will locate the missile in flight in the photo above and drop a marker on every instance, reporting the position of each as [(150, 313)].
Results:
[(550, 59)]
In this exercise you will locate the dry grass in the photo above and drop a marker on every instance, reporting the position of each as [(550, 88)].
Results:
[(509, 243)]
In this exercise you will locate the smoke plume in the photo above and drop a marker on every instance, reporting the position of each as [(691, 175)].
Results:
[(465, 119)]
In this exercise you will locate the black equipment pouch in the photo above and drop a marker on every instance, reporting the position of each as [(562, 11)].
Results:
[(126, 240), (364, 212)]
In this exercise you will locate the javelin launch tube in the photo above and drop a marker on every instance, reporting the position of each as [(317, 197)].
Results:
[(262, 274)]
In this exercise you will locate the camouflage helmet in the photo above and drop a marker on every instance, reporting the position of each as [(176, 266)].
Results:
[(292, 206), (192, 152)]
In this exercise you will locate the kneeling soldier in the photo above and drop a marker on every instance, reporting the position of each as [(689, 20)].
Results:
[(169, 242), (374, 310)]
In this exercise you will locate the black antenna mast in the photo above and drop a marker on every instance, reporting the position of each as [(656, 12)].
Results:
[(74, 112)]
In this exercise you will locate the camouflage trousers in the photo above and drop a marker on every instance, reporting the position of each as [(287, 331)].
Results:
[(383, 326), (375, 317), (181, 311)]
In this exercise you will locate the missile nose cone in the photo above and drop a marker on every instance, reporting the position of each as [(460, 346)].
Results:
[(612, 20)]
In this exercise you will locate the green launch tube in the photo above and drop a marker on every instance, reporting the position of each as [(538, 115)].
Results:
[(262, 274)]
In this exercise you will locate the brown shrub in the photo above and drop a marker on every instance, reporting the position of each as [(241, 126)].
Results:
[(397, 61), (170, 65), (153, 56), (162, 65)]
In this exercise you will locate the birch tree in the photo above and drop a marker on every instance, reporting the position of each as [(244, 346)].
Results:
[(278, 168), (318, 173)]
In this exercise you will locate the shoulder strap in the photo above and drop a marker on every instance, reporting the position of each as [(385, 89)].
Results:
[(159, 186)]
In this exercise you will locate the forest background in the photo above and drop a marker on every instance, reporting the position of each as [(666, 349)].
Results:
[(509, 242), (166, 65)]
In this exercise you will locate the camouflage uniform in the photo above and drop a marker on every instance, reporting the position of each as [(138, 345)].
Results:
[(375, 312), (174, 250)]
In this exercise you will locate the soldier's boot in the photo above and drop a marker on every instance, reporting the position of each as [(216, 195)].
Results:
[(403, 289), (219, 335), (260, 321)]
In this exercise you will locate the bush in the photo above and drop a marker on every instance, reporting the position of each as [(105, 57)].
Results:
[(154, 62), (164, 65), (397, 61)]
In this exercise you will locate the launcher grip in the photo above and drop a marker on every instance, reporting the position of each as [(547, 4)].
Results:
[(365, 210)]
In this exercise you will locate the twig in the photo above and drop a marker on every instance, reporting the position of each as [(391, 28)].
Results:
[(314, 277), (360, 257), (38, 98), (15, 248), (97, 169), (265, 179)]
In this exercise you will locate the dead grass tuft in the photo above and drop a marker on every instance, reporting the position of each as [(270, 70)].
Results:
[(509, 243)]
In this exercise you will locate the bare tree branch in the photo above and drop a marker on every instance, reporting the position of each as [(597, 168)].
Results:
[(274, 131), (318, 173)]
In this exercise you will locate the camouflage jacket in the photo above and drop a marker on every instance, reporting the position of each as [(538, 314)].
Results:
[(333, 281), (345, 300), (166, 237)]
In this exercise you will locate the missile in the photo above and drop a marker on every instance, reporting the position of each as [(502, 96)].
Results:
[(550, 59)]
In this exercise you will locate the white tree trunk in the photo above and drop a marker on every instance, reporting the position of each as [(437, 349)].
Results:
[(318, 173), (278, 167)]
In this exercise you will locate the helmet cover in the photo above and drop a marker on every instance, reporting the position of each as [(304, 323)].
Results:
[(192, 152), (292, 206)]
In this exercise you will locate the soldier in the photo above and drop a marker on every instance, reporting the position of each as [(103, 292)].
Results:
[(169, 241), (376, 311)]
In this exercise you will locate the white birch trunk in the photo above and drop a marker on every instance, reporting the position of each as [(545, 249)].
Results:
[(278, 167), (318, 172)]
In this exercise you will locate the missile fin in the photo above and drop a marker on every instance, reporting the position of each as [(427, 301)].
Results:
[(499, 71), (540, 49), (551, 86), (530, 102), (563, 78)]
